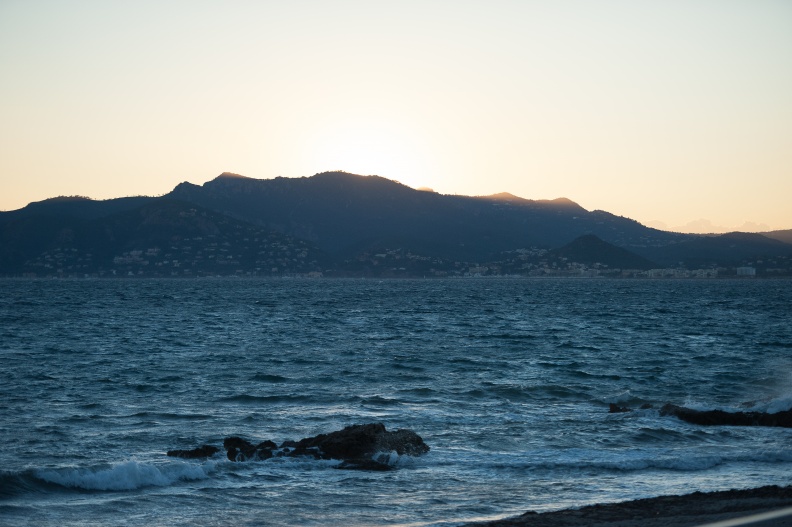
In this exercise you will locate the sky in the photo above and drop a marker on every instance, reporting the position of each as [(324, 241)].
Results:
[(676, 113)]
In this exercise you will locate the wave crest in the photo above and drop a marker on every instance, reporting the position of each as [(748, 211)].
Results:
[(129, 475)]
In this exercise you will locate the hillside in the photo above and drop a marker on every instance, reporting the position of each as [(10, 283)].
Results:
[(592, 251), (76, 207), (345, 214), (723, 250), (782, 236), (160, 238), (348, 225)]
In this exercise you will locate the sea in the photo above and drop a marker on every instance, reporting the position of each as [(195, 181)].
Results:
[(508, 381)]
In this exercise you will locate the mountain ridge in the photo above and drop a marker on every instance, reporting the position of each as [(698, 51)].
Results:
[(345, 212), (353, 220)]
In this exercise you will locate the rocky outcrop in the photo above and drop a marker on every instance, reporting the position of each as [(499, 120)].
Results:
[(361, 441), (720, 417), (716, 417), (361, 447), (238, 449)]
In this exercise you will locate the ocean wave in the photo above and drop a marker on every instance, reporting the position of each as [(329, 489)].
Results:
[(773, 405), (568, 344), (510, 392), (408, 367), (393, 459), (622, 398), (254, 399), (776, 343), (263, 377), (690, 462), (15, 483), (770, 405), (421, 390), (641, 461), (128, 475), (584, 374), (513, 336), (561, 391), (660, 436), (172, 416), (378, 400)]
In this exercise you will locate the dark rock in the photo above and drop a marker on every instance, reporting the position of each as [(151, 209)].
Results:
[(719, 417), (195, 453), (355, 446), (358, 442), (403, 442), (236, 442), (238, 449)]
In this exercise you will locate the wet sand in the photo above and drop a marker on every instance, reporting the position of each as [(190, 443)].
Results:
[(667, 511)]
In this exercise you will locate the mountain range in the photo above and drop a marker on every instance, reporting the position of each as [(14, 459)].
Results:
[(336, 223)]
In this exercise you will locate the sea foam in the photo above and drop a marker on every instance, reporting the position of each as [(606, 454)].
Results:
[(126, 476), (779, 404)]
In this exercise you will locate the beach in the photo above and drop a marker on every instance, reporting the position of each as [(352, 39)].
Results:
[(696, 509)]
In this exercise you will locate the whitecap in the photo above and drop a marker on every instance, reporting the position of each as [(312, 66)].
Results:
[(128, 475)]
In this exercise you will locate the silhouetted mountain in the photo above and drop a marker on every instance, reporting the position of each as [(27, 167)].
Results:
[(556, 204), (350, 224), (76, 207), (721, 250), (345, 214), (782, 236), (590, 250)]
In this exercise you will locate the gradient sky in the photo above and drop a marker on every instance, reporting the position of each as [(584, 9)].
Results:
[(669, 110)]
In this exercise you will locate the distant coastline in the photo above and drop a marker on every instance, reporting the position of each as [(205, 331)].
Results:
[(343, 225)]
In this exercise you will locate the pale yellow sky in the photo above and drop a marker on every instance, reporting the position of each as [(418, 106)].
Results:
[(674, 111)]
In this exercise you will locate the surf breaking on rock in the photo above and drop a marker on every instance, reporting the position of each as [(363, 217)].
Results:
[(358, 447)]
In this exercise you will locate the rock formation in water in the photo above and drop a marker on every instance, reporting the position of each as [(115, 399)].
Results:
[(720, 417), (355, 445), (717, 417), (238, 449)]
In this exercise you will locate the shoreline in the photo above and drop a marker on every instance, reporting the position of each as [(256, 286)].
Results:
[(687, 510)]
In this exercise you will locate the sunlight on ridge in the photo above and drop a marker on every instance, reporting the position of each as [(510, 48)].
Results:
[(367, 147)]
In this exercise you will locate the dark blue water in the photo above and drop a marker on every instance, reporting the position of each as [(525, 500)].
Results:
[(508, 381)]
